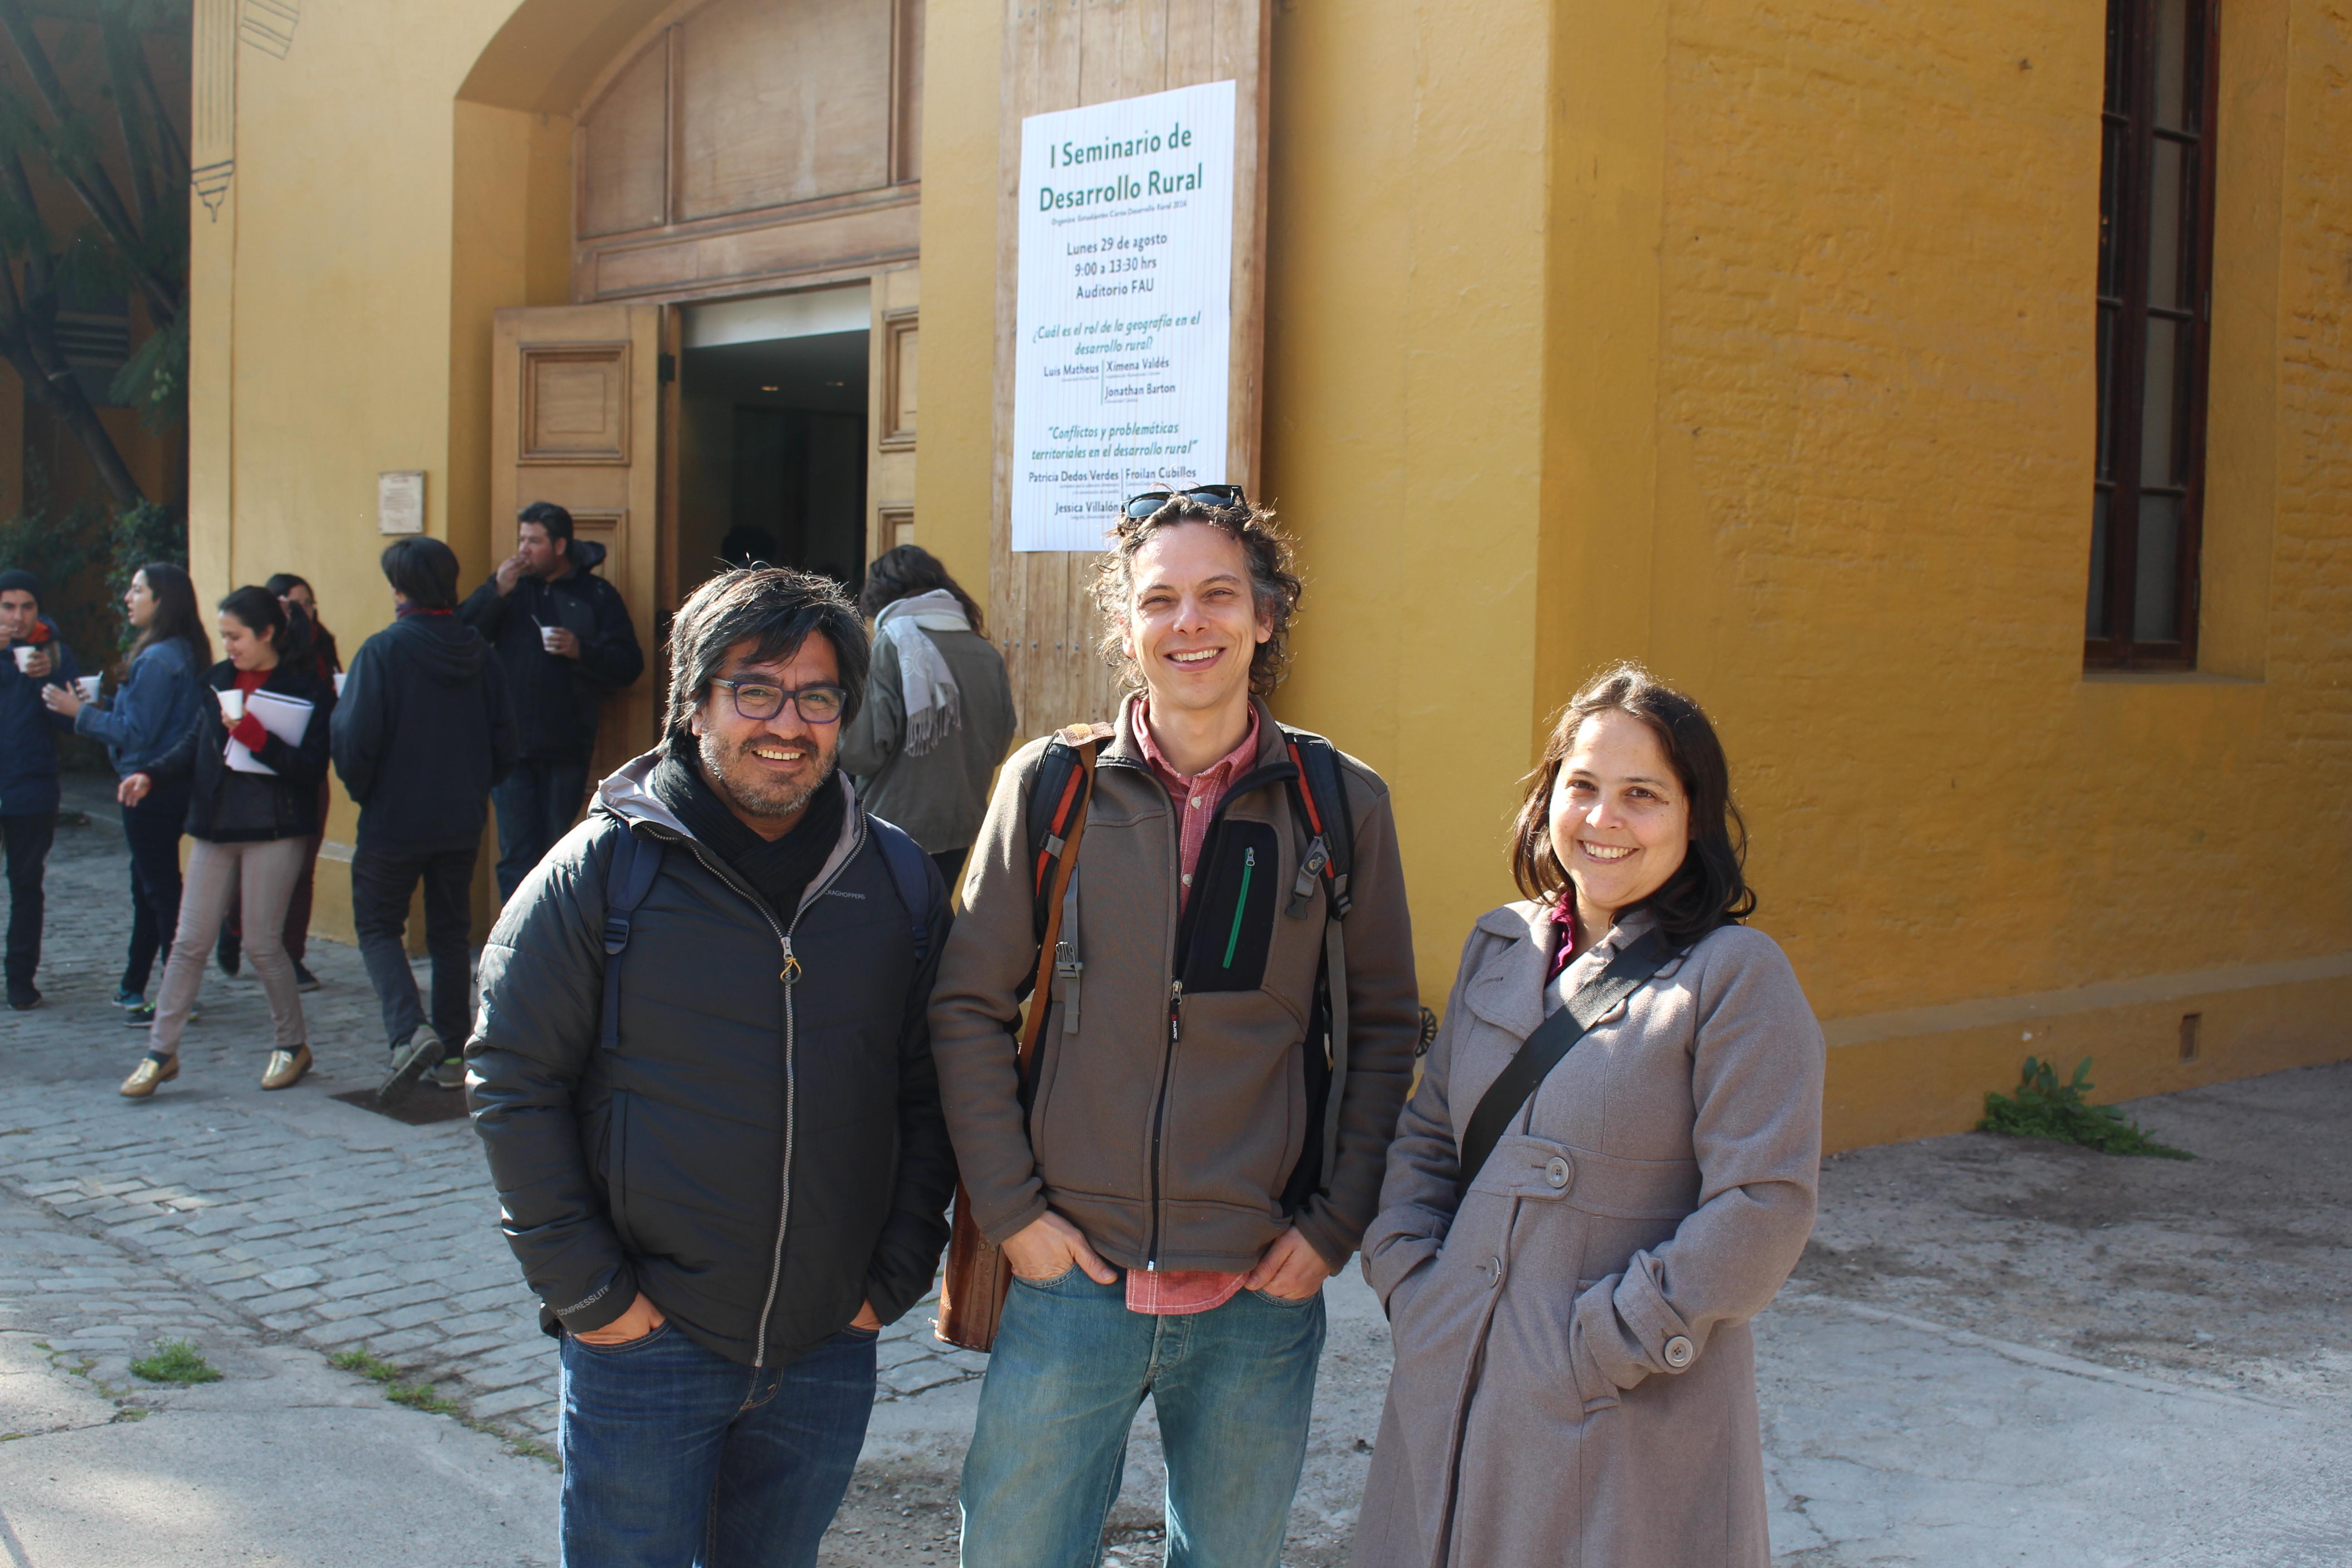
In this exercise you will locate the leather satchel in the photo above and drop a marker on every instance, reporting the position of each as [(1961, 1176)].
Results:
[(978, 1276)]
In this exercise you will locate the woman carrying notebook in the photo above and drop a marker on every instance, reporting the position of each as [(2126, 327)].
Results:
[(256, 754)]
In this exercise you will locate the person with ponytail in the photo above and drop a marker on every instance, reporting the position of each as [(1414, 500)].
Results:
[(252, 808), (152, 709)]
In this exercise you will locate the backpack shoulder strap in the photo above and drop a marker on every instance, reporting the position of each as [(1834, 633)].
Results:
[(1066, 780), (910, 874), (636, 862), (1321, 793)]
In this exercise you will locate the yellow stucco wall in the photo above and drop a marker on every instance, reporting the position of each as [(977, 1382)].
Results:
[(1755, 344)]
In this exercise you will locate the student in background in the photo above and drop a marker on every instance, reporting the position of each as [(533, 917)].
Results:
[(421, 736), (36, 656), (151, 712), (563, 639), (252, 829), (301, 606), (939, 708)]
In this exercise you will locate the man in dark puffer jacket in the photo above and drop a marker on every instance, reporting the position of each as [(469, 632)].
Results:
[(720, 1198)]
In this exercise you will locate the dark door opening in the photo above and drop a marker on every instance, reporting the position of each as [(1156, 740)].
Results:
[(772, 438)]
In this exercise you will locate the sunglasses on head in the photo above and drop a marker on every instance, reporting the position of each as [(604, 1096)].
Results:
[(1143, 505)]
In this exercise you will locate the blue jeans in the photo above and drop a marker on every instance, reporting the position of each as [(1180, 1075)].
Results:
[(537, 806), (1234, 1389), (675, 1455)]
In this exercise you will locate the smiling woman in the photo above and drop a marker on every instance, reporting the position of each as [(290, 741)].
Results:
[(1607, 1169)]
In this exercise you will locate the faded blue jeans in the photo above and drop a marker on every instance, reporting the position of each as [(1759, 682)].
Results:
[(1234, 1389), (675, 1455)]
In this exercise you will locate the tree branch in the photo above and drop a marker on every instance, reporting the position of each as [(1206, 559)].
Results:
[(29, 344)]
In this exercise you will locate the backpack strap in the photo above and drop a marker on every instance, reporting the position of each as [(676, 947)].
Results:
[(1064, 782), (910, 874), (1320, 797), (636, 862), (1064, 825)]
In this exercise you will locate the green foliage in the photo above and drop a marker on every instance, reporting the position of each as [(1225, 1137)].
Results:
[(175, 1361), (2044, 1106), (365, 1363), (155, 379)]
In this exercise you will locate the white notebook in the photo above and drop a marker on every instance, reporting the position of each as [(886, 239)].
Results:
[(288, 718)]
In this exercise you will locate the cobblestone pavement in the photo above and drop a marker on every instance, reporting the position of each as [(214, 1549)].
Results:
[(289, 1213)]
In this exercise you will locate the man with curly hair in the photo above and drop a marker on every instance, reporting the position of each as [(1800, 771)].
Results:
[(1162, 1185)]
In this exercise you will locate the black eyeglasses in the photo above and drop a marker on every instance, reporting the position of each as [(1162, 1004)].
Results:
[(1142, 506), (757, 699)]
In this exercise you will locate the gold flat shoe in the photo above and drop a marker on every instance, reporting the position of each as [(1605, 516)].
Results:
[(147, 1074), (286, 1068)]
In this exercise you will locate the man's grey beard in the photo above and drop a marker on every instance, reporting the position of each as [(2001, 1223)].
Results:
[(783, 801)]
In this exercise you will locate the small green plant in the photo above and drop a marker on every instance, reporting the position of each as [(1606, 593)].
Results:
[(2044, 1106), (422, 1397), (366, 1364), (175, 1361)]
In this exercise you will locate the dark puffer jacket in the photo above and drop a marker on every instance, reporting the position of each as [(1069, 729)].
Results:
[(233, 807), (422, 733), (757, 1151), (555, 700)]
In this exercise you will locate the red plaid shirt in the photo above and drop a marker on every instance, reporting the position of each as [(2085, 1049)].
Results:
[(1177, 1292)]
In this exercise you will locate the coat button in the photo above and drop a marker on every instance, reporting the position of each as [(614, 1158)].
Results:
[(1493, 1272), (1558, 1172), (1678, 1352)]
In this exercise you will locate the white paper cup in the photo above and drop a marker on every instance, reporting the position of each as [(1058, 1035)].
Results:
[(24, 652), (232, 703), (339, 683), (88, 686), (547, 637)]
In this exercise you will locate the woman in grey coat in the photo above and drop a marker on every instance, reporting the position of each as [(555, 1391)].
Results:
[(1575, 1381), (938, 715)]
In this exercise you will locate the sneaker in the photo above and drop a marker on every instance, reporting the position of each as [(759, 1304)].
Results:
[(303, 979), (24, 998), (410, 1058), (150, 1071), (127, 998), (450, 1074), (286, 1068), (230, 953)]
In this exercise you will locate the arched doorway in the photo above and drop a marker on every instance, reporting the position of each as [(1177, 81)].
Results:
[(734, 375)]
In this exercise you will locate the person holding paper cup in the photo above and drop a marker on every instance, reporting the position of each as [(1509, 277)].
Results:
[(254, 756), (152, 709), (37, 655)]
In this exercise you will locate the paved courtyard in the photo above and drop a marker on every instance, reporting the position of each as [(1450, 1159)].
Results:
[(1994, 1353)]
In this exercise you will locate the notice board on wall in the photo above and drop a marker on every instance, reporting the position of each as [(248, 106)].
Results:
[(1085, 77), (1123, 315)]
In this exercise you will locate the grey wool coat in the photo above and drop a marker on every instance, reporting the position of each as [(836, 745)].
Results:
[(1575, 1381)]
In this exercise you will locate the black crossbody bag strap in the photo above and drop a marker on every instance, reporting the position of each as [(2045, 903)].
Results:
[(1553, 1039)]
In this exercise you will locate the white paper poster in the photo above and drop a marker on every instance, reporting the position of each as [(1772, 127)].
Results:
[(1123, 317)]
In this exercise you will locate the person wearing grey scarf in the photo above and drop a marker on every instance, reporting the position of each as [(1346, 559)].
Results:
[(939, 714)]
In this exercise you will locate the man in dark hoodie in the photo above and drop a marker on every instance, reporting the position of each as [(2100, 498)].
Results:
[(563, 639), (421, 736), (28, 767)]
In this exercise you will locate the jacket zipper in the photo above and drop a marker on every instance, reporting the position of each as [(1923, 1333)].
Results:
[(1247, 783), (791, 976)]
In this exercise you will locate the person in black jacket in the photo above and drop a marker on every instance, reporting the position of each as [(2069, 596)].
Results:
[(723, 1166), (564, 639), (257, 753), (28, 767), (421, 735)]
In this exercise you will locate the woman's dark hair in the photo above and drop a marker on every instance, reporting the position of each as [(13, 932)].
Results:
[(771, 607), (258, 608), (904, 570), (1274, 581), (284, 582), (424, 570), (1709, 887), (176, 614)]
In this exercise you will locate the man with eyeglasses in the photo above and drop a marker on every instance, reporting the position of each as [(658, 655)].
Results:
[(701, 1069), (1198, 1143)]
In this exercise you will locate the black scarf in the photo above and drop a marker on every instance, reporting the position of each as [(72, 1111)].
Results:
[(780, 869)]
